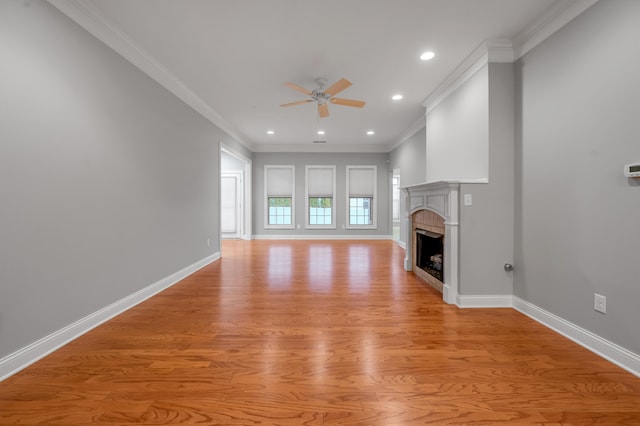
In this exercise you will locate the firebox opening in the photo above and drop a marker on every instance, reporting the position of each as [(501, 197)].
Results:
[(429, 253)]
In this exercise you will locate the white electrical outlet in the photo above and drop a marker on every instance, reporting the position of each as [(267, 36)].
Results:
[(468, 199), (600, 303)]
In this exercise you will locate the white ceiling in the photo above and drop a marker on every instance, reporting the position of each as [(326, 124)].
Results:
[(229, 59)]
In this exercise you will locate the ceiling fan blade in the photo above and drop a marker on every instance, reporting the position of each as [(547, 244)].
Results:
[(347, 102), (297, 103), (338, 87), (298, 88), (323, 110)]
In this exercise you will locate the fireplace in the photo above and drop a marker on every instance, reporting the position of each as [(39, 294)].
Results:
[(427, 247), (431, 210), (429, 253)]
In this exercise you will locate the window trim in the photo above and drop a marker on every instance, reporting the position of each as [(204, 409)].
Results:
[(374, 207), (333, 198), (293, 197)]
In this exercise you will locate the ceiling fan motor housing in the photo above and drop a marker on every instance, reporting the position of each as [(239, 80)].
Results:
[(319, 95)]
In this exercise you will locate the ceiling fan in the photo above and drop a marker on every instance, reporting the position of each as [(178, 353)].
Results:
[(322, 95)]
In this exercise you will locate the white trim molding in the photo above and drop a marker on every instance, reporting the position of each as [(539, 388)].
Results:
[(322, 237), (89, 18), (324, 147), (26, 356), (610, 351), (616, 354), (414, 128), (489, 51), (485, 301), (560, 14), (506, 50)]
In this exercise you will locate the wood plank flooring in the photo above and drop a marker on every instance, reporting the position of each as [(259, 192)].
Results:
[(311, 333)]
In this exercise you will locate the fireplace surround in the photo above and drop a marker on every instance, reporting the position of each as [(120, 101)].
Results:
[(441, 198), (429, 253)]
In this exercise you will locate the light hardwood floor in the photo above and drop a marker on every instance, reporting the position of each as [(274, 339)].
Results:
[(310, 333)]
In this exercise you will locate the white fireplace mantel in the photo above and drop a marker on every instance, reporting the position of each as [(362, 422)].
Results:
[(443, 199)]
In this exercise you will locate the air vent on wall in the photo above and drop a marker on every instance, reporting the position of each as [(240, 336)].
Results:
[(319, 141)]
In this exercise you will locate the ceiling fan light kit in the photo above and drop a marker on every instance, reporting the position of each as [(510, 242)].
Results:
[(322, 96)]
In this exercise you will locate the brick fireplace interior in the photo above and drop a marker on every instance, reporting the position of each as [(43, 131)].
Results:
[(428, 255)]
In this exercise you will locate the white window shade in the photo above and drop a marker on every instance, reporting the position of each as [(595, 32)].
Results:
[(361, 182), (320, 182), (279, 182)]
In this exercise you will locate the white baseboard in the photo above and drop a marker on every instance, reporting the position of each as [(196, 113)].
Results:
[(401, 244), (321, 237), (26, 356), (485, 301), (618, 355)]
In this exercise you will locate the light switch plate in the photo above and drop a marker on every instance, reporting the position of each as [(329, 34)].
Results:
[(600, 303), (468, 200)]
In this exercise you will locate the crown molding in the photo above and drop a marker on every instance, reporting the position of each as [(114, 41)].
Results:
[(409, 132), (499, 51), (508, 51), (323, 148), (557, 16), (489, 51), (95, 23)]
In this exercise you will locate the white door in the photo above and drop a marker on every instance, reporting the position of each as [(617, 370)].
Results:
[(230, 205)]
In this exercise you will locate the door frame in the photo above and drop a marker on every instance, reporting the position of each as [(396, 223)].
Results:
[(238, 175), (247, 218)]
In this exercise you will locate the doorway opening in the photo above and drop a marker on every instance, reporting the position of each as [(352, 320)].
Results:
[(235, 195), (395, 205)]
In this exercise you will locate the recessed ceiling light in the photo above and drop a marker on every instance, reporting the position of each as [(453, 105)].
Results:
[(427, 56), (396, 97), (321, 132), (371, 132), (271, 132)]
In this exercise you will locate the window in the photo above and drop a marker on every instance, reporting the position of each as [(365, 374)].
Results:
[(320, 211), (279, 196), (279, 211), (360, 212), (361, 196), (321, 187)]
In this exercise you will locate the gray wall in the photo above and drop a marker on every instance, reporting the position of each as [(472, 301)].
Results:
[(486, 227), (577, 216), (108, 183), (340, 160), (410, 157), (484, 150)]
